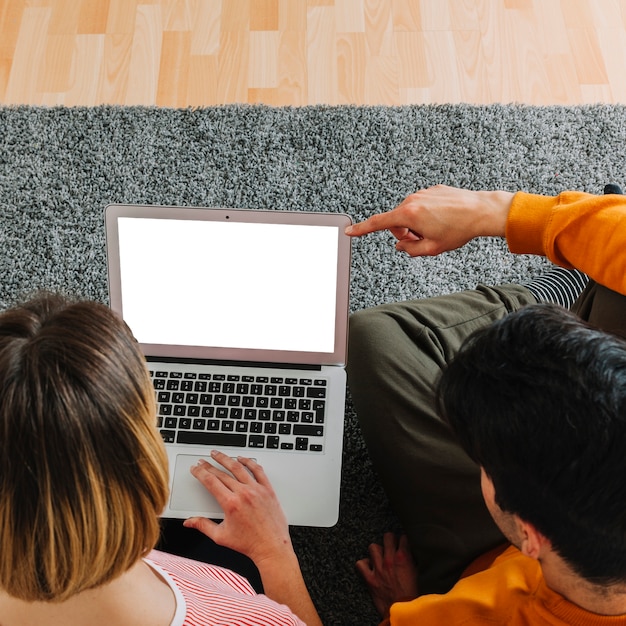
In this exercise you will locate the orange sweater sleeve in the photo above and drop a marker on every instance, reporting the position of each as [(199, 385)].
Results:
[(574, 230)]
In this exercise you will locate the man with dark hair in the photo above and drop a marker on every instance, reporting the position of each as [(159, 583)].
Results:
[(538, 401), (398, 351)]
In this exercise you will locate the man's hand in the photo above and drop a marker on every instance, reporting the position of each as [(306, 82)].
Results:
[(441, 218), (254, 523), (390, 573)]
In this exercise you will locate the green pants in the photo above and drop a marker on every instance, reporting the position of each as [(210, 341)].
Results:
[(395, 356)]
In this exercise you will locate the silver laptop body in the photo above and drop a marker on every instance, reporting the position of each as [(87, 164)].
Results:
[(242, 316)]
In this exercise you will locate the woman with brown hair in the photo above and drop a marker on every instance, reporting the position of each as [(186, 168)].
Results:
[(83, 479)]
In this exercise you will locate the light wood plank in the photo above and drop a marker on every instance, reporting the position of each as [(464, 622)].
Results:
[(87, 67), (29, 52), (518, 4), (321, 55), (202, 84), (173, 74), (577, 13), (115, 73), (177, 15), (561, 75), (145, 56), (65, 17), (526, 56), (292, 70), (382, 81), (264, 15), (350, 16), (587, 56), (378, 28), (11, 12), (93, 17), (5, 71), (122, 16), (435, 16), (443, 70), (205, 37), (498, 39), (551, 27), (292, 15), (594, 94), (233, 62), (407, 16), (414, 70), (263, 66), (464, 15), (612, 43), (235, 15), (472, 74), (606, 13), (351, 67), (57, 63)]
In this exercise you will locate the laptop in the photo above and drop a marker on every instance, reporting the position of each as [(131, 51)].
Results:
[(242, 316)]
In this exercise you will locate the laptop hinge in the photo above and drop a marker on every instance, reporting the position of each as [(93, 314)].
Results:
[(293, 366)]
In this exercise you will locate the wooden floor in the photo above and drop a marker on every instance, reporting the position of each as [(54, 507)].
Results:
[(296, 52)]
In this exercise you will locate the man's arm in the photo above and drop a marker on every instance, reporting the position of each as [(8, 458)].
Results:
[(255, 525), (574, 229), (434, 220)]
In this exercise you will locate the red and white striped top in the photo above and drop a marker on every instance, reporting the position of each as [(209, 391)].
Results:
[(207, 595)]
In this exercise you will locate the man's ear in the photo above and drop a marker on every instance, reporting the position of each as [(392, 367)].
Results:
[(532, 543)]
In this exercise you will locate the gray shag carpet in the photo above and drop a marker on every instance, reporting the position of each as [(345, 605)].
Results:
[(59, 167)]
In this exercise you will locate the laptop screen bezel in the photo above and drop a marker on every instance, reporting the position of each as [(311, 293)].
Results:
[(113, 212)]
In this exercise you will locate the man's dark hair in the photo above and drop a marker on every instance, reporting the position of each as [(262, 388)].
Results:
[(538, 400)]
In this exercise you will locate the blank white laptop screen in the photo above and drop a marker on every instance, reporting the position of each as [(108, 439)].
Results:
[(229, 285)]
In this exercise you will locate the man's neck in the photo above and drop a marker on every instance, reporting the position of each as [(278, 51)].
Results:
[(597, 599)]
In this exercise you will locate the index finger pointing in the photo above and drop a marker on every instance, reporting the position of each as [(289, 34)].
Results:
[(382, 221)]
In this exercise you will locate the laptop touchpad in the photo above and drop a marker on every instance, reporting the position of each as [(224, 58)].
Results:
[(188, 493)]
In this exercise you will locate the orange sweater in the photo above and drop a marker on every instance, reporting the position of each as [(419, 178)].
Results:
[(511, 591), (573, 229)]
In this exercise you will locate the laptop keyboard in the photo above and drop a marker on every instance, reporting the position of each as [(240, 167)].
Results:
[(279, 413)]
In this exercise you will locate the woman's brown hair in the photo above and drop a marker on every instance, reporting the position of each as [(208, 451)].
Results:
[(83, 470)]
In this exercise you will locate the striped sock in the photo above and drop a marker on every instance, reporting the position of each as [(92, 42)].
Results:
[(559, 286)]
